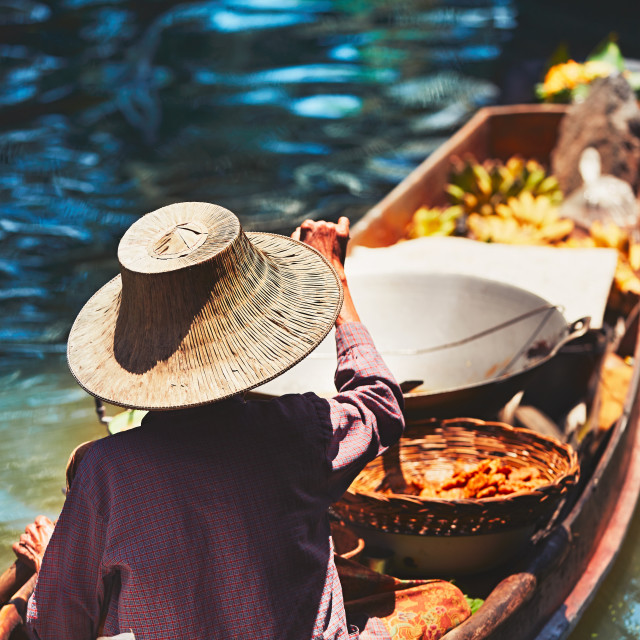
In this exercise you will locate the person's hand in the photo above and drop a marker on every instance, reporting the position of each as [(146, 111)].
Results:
[(33, 542), (329, 238)]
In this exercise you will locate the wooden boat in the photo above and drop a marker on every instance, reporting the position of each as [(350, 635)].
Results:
[(544, 593)]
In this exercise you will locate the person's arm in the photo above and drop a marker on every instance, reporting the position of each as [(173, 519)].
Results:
[(366, 414), (69, 590), (331, 240)]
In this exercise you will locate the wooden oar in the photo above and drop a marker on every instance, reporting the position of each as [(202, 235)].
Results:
[(13, 578), (13, 613)]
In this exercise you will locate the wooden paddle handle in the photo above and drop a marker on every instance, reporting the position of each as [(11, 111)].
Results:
[(13, 578), (506, 598), (13, 613)]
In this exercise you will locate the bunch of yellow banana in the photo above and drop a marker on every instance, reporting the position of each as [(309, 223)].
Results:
[(480, 188), (433, 222), (525, 219)]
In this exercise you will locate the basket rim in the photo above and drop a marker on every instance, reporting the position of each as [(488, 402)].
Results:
[(568, 477)]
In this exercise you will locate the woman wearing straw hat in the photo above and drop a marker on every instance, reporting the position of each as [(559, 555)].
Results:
[(209, 520)]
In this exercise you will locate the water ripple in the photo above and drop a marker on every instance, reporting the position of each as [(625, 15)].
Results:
[(278, 110), (327, 106), (21, 12)]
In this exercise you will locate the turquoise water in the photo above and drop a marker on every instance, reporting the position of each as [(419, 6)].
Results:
[(278, 111), (615, 611)]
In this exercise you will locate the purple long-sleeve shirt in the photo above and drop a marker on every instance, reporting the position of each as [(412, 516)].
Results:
[(215, 518)]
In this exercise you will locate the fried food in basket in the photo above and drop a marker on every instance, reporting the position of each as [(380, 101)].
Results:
[(487, 479)]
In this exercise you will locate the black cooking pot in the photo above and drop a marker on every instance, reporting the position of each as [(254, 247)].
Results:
[(459, 345)]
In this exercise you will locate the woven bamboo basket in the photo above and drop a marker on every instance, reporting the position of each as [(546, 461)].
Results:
[(436, 450)]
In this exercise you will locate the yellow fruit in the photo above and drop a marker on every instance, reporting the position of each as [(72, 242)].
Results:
[(634, 256), (483, 187), (495, 228), (556, 231), (537, 218), (577, 243), (433, 222), (625, 278), (609, 235)]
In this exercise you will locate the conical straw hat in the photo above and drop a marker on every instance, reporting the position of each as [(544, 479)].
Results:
[(200, 311)]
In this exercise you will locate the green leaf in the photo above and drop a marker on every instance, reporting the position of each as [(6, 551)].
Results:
[(474, 603), (561, 97), (608, 51), (580, 92), (126, 420)]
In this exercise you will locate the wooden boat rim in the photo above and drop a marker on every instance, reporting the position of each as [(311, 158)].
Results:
[(610, 543), (608, 548)]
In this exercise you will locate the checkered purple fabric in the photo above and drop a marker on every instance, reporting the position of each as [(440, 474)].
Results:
[(215, 518)]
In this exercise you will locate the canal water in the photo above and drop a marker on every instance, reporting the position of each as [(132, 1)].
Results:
[(278, 110)]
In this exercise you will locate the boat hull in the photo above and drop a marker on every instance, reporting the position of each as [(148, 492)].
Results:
[(543, 595)]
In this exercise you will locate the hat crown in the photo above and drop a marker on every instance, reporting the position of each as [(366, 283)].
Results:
[(180, 240), (174, 261), (178, 236)]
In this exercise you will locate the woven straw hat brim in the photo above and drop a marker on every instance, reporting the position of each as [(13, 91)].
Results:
[(246, 333)]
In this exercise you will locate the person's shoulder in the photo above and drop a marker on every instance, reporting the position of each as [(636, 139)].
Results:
[(289, 406), (114, 442), (292, 421), (293, 413), (105, 453)]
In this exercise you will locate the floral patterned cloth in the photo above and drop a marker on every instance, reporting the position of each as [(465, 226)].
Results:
[(387, 607)]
